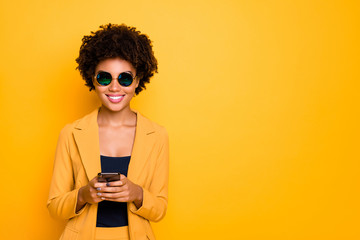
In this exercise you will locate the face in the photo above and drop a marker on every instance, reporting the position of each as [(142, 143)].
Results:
[(114, 96)]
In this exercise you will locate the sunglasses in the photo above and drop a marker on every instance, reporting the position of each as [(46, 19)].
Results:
[(125, 79)]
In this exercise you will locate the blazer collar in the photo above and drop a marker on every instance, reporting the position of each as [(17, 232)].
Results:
[(86, 135)]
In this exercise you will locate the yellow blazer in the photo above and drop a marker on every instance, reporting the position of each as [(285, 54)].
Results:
[(77, 160)]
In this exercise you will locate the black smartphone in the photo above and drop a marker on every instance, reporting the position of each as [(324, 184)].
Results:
[(108, 177)]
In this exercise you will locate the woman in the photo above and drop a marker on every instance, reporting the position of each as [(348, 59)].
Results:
[(115, 61)]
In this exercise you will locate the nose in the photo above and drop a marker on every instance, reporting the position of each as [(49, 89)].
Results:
[(114, 86)]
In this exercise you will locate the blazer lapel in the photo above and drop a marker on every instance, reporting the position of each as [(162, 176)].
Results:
[(86, 134), (143, 144)]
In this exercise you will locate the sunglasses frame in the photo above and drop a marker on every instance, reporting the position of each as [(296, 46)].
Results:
[(112, 78)]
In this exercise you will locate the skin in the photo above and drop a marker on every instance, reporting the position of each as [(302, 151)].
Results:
[(117, 123)]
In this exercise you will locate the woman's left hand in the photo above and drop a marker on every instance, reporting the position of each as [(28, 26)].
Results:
[(123, 190)]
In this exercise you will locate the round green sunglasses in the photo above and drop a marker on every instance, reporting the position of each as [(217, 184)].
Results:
[(125, 79)]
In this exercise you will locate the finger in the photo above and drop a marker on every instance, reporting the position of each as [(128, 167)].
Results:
[(116, 183), (98, 184), (93, 181), (110, 189), (112, 195), (95, 187), (97, 197)]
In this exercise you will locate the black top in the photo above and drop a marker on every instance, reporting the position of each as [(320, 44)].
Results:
[(113, 214)]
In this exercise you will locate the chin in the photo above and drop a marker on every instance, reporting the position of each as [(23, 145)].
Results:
[(115, 107)]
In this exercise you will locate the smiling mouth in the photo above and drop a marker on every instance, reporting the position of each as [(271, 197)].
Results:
[(115, 97)]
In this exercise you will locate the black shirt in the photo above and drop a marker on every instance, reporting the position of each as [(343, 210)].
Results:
[(113, 214)]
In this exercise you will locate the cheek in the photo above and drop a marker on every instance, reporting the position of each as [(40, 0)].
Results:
[(96, 90), (130, 90), (99, 92)]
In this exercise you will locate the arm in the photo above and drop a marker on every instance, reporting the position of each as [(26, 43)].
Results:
[(63, 198)]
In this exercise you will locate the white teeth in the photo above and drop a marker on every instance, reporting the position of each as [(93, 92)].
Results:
[(115, 98)]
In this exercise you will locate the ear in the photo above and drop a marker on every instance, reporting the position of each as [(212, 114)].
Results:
[(137, 81)]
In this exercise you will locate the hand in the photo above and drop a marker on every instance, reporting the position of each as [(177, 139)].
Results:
[(123, 190), (88, 193)]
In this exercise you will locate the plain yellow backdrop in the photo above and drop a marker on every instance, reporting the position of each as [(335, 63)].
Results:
[(260, 99)]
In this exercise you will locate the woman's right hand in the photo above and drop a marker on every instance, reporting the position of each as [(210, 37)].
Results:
[(88, 194)]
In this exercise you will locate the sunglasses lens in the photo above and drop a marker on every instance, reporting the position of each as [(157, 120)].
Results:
[(104, 78), (125, 79)]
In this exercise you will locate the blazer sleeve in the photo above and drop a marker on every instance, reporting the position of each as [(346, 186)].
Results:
[(155, 198), (62, 198)]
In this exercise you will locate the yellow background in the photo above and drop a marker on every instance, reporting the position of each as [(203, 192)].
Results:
[(260, 99)]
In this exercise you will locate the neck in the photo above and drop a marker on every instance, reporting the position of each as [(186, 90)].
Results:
[(123, 117)]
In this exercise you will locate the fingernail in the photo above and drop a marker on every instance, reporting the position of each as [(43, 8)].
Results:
[(99, 188), (99, 193), (102, 198), (108, 184)]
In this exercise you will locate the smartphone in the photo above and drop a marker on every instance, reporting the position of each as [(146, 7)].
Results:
[(108, 177)]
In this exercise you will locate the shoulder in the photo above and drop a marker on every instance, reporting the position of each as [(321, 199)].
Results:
[(79, 123), (67, 131)]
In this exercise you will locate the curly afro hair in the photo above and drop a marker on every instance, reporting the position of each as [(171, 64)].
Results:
[(122, 41)]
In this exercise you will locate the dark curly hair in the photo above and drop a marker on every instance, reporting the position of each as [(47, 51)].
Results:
[(122, 41)]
